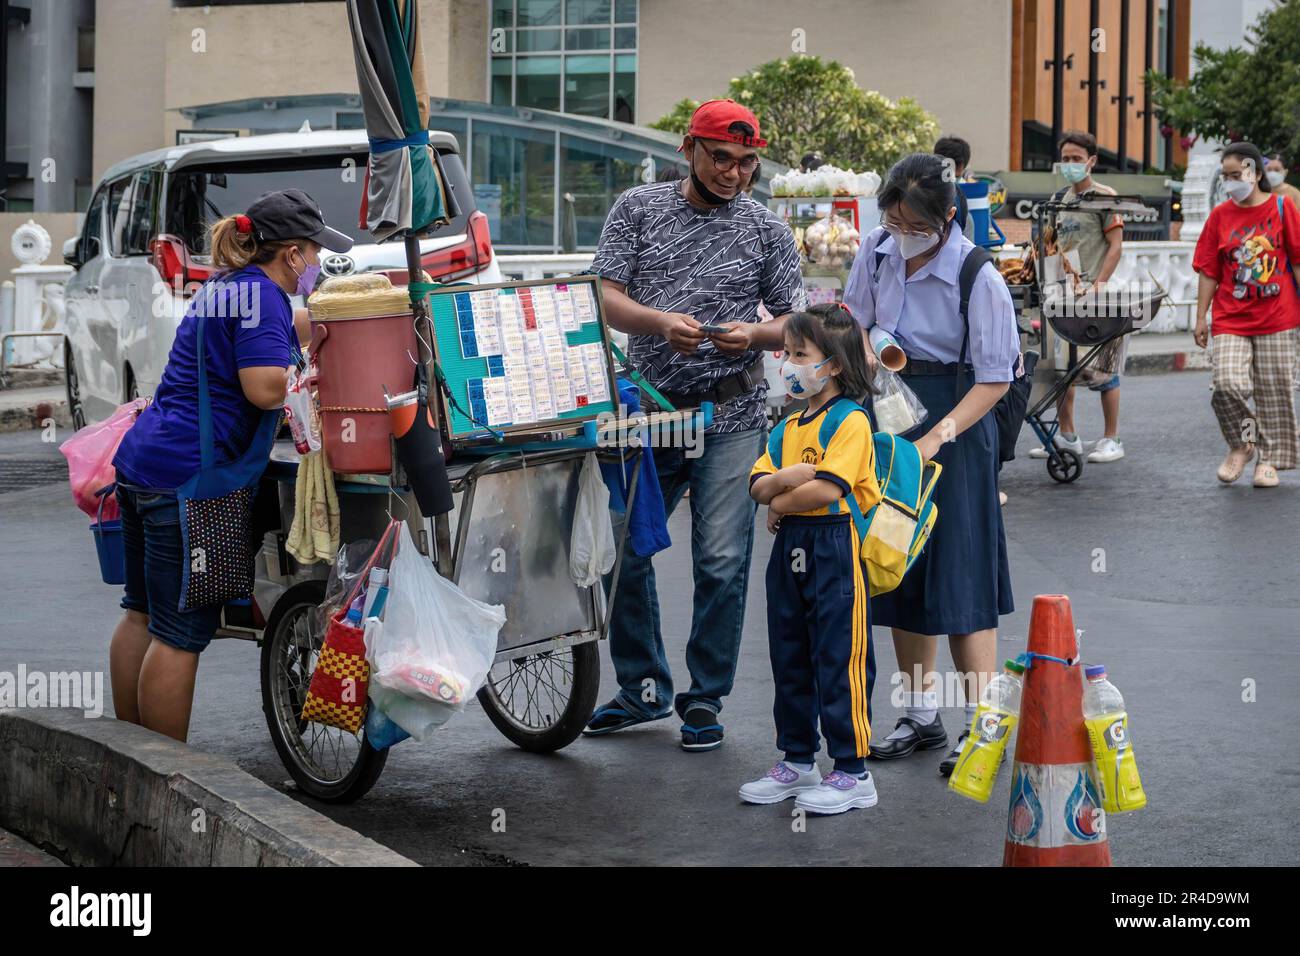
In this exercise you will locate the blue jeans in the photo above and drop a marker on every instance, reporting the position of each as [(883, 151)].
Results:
[(722, 538), (151, 542)]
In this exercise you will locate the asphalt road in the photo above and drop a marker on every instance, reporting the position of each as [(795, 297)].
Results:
[(1197, 600)]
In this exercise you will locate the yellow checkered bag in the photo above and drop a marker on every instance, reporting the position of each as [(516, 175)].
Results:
[(340, 682)]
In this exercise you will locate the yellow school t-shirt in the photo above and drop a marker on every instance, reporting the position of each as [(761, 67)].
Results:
[(848, 460)]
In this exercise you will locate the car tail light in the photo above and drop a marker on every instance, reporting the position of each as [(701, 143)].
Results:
[(451, 263), (176, 266)]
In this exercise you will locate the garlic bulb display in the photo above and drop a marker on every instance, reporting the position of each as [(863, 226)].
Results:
[(825, 181)]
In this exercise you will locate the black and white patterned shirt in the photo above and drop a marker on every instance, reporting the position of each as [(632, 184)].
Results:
[(715, 266)]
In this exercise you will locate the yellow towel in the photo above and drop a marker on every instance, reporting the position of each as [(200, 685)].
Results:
[(314, 535)]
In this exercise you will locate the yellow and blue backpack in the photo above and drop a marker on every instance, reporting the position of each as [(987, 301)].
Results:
[(894, 532)]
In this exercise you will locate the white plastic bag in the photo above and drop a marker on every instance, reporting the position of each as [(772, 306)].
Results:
[(896, 407), (435, 647), (591, 544)]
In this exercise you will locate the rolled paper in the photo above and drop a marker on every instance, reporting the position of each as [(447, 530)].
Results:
[(887, 349)]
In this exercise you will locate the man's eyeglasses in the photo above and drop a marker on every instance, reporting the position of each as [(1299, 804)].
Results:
[(724, 161)]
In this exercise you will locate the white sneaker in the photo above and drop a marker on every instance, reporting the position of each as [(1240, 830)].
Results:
[(1075, 446), (1108, 449), (780, 783), (838, 792)]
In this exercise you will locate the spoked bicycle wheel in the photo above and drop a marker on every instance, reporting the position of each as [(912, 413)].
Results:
[(542, 702), (327, 763)]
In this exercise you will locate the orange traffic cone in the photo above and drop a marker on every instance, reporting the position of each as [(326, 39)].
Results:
[(1055, 817)]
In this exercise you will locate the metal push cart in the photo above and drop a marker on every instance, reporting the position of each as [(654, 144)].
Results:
[(505, 542), (1049, 310), (544, 682)]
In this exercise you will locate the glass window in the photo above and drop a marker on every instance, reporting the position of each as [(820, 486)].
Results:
[(625, 87), (503, 13), (539, 13), (522, 162), (587, 11), (538, 82), (93, 229), (140, 220), (590, 39), (625, 11), (625, 38), (586, 85), (502, 88), (596, 174), (539, 41), (119, 214)]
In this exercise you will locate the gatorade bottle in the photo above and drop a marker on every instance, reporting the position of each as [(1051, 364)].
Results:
[(995, 718), (1107, 723)]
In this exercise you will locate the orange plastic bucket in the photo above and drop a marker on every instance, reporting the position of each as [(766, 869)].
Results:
[(357, 359)]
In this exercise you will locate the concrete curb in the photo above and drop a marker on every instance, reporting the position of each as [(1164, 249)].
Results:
[(1156, 363), (31, 415), (102, 792)]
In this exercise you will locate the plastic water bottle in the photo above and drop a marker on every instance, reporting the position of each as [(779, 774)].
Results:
[(995, 719), (1107, 723), (376, 593)]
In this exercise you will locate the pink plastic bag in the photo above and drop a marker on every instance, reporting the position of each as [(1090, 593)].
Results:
[(90, 458)]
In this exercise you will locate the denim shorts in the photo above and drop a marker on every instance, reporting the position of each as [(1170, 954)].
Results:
[(1107, 385), (151, 542)]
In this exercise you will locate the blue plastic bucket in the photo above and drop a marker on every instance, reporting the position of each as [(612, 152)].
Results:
[(108, 542)]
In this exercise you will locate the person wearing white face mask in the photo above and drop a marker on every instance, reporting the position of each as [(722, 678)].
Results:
[(1246, 259), (1275, 172), (1097, 240), (908, 279)]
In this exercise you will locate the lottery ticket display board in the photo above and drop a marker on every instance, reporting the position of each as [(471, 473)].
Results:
[(523, 356)]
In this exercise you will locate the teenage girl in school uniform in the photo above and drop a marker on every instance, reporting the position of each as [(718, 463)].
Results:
[(961, 583), (819, 633)]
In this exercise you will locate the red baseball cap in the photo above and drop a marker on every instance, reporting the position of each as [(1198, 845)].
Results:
[(712, 119)]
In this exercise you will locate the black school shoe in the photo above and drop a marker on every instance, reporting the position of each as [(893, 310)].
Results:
[(930, 736), (948, 763)]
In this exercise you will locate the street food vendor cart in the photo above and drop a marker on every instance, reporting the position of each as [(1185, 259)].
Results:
[(1072, 333), (506, 541)]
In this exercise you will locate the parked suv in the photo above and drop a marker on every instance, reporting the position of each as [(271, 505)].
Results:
[(143, 247)]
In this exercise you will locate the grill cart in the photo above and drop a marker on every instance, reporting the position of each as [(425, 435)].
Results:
[(1073, 333)]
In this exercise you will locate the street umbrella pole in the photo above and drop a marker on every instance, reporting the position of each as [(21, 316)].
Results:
[(404, 197)]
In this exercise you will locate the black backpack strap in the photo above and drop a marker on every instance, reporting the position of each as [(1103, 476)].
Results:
[(970, 269), (880, 257)]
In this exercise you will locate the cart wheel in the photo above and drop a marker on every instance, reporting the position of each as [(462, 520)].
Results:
[(327, 763), (1067, 469), (543, 701)]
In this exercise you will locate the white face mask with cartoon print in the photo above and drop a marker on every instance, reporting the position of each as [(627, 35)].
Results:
[(802, 381)]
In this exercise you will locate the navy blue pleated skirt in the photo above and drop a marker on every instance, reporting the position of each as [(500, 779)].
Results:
[(961, 582)]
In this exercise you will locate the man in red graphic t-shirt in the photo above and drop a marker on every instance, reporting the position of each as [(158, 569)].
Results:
[(1247, 259)]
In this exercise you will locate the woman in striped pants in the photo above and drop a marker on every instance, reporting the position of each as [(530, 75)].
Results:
[(1246, 258)]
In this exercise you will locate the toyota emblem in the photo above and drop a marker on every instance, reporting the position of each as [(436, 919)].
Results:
[(337, 265)]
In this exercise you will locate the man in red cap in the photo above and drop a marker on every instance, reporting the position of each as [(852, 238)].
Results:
[(684, 266)]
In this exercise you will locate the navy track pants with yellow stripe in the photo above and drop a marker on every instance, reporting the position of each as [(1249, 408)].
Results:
[(819, 636)]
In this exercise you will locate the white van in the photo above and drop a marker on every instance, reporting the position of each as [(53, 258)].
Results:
[(143, 246)]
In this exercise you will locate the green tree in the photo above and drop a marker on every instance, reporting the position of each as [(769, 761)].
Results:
[(805, 104), (1250, 94)]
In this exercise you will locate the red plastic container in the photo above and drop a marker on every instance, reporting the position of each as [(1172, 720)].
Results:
[(357, 359)]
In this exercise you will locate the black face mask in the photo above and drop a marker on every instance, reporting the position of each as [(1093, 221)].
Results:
[(703, 191)]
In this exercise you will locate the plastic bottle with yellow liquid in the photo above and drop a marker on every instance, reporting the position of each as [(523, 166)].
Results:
[(1107, 723), (995, 719)]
